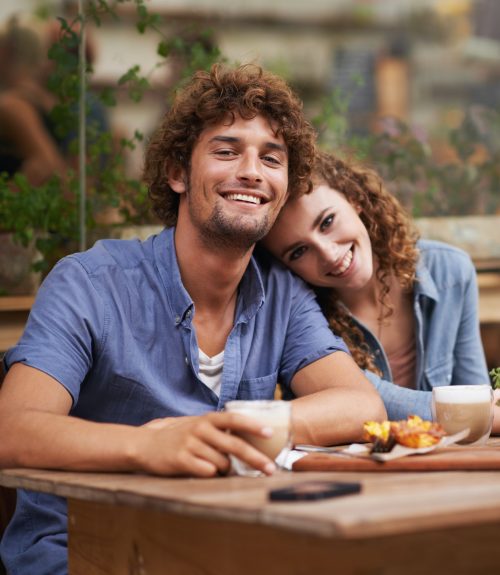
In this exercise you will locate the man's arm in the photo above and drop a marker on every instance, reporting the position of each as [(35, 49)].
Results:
[(334, 399), (37, 431)]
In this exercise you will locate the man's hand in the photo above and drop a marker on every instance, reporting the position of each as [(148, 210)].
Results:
[(36, 431), (200, 445)]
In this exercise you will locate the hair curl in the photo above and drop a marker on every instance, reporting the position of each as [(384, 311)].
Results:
[(209, 98), (393, 238)]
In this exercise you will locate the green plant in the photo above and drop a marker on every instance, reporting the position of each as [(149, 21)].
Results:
[(48, 214), (468, 183), (495, 376)]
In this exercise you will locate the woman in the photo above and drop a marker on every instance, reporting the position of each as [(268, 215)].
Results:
[(407, 308)]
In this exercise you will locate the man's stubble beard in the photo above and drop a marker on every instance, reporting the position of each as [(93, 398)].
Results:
[(220, 231), (227, 232)]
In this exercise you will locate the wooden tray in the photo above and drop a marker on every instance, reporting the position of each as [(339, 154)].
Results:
[(478, 458)]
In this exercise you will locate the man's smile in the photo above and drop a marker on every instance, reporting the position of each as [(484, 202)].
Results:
[(247, 198)]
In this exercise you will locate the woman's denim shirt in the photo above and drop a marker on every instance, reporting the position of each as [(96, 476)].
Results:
[(449, 347)]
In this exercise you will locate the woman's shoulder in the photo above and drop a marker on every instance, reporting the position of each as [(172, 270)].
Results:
[(444, 261), (433, 249)]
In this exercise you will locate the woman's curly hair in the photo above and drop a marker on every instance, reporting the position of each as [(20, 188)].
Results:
[(393, 238), (210, 98)]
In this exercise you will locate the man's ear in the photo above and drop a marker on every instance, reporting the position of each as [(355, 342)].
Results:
[(177, 179)]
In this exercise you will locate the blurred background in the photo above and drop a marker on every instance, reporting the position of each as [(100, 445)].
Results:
[(411, 88), (423, 74)]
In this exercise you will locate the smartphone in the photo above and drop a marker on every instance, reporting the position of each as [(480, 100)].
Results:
[(311, 490)]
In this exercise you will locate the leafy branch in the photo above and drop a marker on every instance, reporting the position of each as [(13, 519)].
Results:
[(495, 376), (48, 214)]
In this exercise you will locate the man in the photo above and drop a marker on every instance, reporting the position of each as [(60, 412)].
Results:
[(128, 336)]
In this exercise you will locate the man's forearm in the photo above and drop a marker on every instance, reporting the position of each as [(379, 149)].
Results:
[(334, 400), (334, 416), (41, 439)]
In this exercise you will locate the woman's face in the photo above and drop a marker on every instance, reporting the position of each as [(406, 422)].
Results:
[(321, 237)]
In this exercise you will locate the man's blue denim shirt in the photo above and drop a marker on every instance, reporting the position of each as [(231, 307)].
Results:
[(114, 326), (449, 347)]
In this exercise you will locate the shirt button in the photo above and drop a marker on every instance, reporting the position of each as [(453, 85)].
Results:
[(189, 313), (177, 319), (186, 360)]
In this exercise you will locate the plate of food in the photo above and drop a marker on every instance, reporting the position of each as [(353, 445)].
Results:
[(390, 440)]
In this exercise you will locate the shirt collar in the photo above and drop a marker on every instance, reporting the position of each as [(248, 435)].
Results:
[(424, 284), (251, 290), (168, 268)]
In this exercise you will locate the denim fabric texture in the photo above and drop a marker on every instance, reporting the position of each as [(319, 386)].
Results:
[(114, 326), (449, 347)]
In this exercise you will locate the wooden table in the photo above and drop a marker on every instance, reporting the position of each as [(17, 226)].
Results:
[(401, 524)]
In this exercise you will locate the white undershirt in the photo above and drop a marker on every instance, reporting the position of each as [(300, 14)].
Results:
[(211, 370)]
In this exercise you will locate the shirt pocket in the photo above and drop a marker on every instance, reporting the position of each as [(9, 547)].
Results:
[(259, 387), (439, 374)]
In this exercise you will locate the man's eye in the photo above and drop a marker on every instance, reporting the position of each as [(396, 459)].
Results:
[(225, 152), (297, 253), (327, 222), (271, 159)]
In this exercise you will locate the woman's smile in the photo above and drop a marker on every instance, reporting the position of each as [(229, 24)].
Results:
[(321, 237)]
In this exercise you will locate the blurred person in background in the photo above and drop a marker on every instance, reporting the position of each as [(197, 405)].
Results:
[(28, 140)]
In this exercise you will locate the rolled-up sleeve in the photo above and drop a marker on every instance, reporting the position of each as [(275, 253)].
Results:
[(64, 327), (308, 336)]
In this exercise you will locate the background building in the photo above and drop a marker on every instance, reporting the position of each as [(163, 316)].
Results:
[(422, 62)]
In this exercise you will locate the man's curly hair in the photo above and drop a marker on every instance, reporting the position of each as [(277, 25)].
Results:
[(393, 238), (212, 97)]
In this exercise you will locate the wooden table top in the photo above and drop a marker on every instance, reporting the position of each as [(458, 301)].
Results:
[(390, 503)]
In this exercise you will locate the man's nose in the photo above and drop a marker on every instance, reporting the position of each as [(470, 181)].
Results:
[(249, 168)]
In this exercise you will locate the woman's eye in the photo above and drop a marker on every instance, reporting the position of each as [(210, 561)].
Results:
[(326, 223), (297, 253)]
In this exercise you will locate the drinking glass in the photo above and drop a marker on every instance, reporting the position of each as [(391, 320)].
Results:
[(458, 407), (270, 413)]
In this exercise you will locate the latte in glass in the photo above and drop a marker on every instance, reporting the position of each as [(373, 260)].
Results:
[(457, 407), (270, 413)]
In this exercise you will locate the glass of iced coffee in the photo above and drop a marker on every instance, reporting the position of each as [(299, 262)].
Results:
[(459, 407), (270, 413)]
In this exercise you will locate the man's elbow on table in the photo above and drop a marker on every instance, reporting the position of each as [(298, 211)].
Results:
[(334, 399)]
